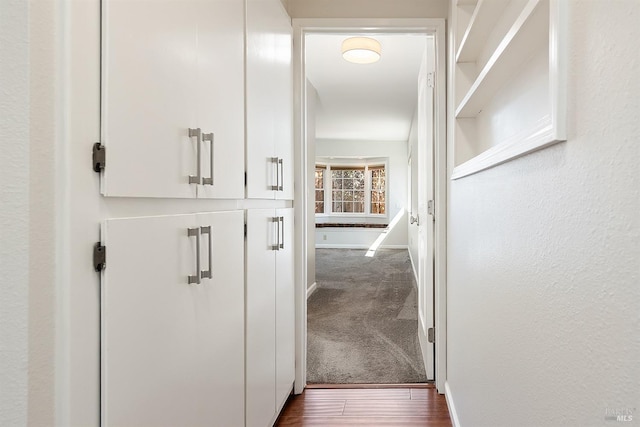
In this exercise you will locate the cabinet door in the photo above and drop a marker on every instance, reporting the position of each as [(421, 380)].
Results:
[(269, 86), (261, 316), (220, 97), (285, 309), (283, 85), (221, 323), (149, 78), (171, 351)]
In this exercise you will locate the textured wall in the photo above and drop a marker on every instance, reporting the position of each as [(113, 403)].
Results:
[(45, 127), (544, 253), (14, 211), (28, 131), (367, 8)]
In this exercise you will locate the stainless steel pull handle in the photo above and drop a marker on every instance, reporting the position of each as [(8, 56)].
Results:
[(195, 179), (208, 137), (195, 232), (281, 169), (275, 161), (276, 220), (282, 242), (207, 274)]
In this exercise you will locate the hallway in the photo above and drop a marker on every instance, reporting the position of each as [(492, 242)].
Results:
[(398, 406)]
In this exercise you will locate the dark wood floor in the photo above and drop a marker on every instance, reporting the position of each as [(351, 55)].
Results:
[(418, 405)]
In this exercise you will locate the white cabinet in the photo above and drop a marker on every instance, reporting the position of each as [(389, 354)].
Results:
[(269, 101), (168, 67), (270, 314), (172, 351)]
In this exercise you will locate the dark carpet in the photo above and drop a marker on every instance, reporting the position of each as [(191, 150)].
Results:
[(362, 319)]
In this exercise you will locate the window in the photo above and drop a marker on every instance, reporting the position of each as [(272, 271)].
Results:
[(378, 193), (320, 170), (351, 189), (347, 184)]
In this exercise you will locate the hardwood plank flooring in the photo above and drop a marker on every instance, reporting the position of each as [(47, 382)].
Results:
[(418, 405)]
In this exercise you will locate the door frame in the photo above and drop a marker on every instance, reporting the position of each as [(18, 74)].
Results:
[(428, 26)]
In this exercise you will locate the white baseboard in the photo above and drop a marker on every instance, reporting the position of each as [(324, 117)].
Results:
[(347, 246), (452, 407), (311, 289), (413, 266)]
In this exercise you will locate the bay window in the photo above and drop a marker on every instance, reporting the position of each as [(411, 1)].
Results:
[(351, 189)]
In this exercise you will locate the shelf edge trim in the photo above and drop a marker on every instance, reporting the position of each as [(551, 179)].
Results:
[(540, 136)]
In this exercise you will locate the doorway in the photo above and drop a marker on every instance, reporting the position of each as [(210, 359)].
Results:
[(306, 162)]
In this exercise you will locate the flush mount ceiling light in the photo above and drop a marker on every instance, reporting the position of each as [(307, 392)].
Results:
[(361, 50)]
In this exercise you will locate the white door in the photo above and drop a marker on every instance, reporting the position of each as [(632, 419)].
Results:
[(426, 221), (220, 97), (149, 87), (269, 101), (285, 308), (262, 238), (167, 356)]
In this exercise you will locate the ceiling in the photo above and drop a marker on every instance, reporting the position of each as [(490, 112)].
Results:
[(370, 102)]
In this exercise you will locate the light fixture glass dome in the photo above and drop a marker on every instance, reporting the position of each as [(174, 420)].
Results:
[(361, 50)]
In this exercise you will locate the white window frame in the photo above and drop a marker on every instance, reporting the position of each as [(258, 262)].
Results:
[(324, 187), (343, 162)]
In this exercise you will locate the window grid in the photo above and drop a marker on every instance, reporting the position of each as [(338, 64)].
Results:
[(319, 186), (348, 190)]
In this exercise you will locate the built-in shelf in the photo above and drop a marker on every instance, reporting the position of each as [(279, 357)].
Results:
[(525, 36), (501, 88), (480, 26)]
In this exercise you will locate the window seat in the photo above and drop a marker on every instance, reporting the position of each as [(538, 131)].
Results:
[(344, 225)]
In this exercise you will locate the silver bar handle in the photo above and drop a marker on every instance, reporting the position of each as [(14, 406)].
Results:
[(282, 242), (195, 179), (275, 161), (207, 274), (208, 137), (276, 220), (281, 181), (195, 232)]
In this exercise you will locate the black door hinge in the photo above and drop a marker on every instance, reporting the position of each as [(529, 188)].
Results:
[(99, 257), (99, 158)]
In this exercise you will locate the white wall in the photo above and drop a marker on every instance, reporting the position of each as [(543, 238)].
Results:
[(14, 211), (396, 152), (29, 67), (544, 253), (367, 8), (362, 238)]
